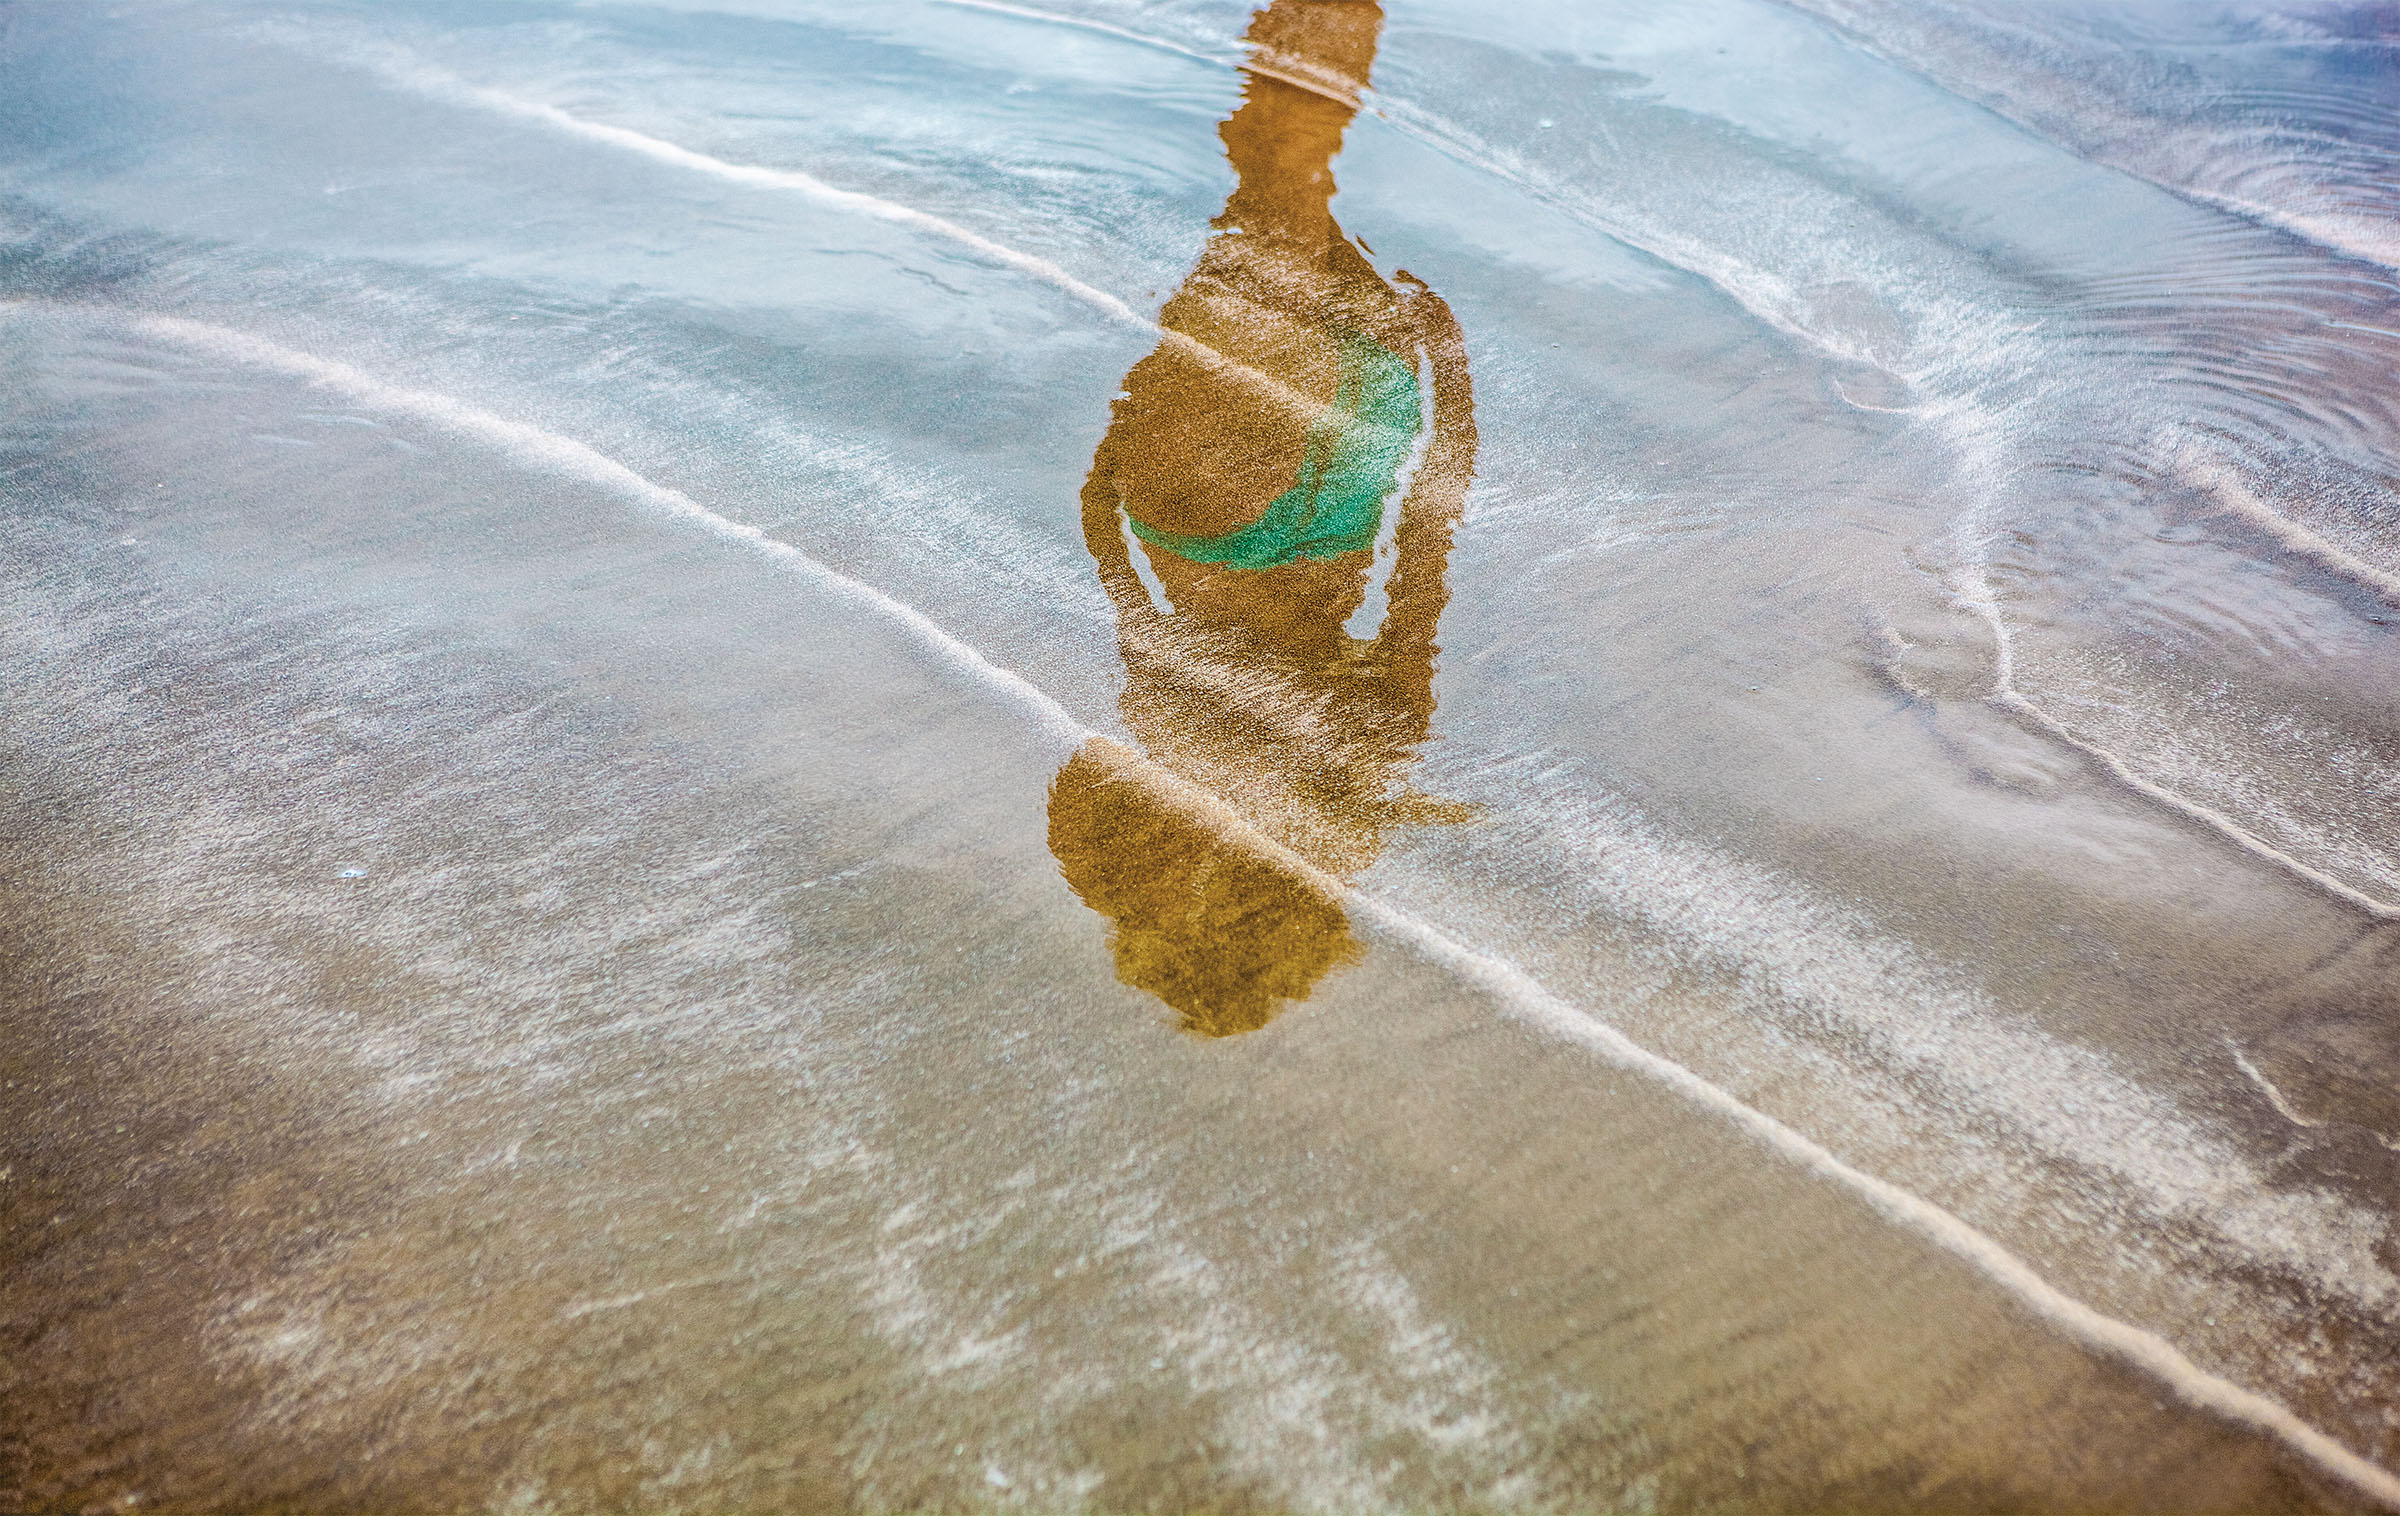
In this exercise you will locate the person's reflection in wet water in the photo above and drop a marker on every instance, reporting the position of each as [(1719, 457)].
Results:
[(1253, 460)]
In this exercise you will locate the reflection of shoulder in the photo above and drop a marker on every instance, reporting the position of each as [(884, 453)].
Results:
[(1375, 306)]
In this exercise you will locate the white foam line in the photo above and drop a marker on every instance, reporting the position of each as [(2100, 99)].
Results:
[(1755, 291), (563, 455), (1229, 58), (2338, 235), (2266, 1087), (2142, 1349), (2004, 693), (2234, 831), (584, 1308), (443, 85), (2284, 1107), (1518, 991), (2239, 500), (435, 81), (1437, 133), (1103, 28)]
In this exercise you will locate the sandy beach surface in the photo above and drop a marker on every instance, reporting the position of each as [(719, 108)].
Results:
[(1113, 756)]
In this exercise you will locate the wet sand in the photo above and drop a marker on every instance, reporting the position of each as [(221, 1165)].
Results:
[(645, 869)]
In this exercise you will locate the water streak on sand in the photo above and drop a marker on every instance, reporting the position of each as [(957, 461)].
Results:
[(1977, 595), (1524, 997), (1774, 300), (533, 447), (2012, 67), (442, 85)]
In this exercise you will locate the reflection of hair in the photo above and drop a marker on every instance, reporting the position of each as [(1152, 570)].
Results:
[(1202, 914)]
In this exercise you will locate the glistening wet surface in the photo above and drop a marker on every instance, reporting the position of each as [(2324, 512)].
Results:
[(1170, 756), (1254, 461)]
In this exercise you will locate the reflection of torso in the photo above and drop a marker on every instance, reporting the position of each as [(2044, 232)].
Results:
[(1349, 468), (1252, 686), (1360, 436)]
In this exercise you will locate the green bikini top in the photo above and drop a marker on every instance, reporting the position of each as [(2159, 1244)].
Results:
[(1349, 467)]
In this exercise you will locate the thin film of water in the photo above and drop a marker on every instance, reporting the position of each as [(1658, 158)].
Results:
[(1160, 754)]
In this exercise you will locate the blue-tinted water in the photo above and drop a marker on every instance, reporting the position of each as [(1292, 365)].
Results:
[(673, 841)]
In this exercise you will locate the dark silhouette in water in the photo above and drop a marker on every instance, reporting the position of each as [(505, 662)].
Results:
[(1252, 460)]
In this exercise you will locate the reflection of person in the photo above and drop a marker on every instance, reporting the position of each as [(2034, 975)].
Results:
[(1251, 461)]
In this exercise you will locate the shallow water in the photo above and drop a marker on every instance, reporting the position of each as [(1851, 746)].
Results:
[(1133, 756)]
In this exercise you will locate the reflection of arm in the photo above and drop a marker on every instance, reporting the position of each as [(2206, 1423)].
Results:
[(1417, 591), (1104, 537)]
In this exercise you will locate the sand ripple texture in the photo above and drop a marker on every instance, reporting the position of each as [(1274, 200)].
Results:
[(1146, 755)]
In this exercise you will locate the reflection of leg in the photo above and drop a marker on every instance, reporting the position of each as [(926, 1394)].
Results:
[(1203, 912)]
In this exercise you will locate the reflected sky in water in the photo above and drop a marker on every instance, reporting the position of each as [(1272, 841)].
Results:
[(1185, 754)]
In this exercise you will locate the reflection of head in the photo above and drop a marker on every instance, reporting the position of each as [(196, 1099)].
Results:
[(1202, 913)]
